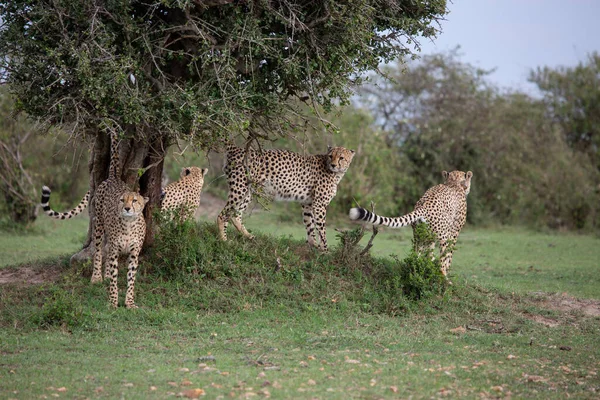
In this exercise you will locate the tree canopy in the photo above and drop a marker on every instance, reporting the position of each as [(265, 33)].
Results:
[(199, 69)]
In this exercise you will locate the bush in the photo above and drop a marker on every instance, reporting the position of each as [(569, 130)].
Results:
[(60, 308)]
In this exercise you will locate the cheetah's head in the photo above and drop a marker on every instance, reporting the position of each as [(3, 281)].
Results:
[(458, 178), (131, 204), (339, 159), (194, 172)]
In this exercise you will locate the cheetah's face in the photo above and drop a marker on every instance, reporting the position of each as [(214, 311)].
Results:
[(459, 177), (339, 159), (131, 204)]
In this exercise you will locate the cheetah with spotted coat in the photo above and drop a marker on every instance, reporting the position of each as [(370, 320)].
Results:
[(284, 176), (119, 217), (184, 194), (443, 207)]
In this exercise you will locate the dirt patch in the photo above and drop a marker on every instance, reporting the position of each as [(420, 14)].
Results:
[(210, 206), (566, 303), (28, 275), (543, 320)]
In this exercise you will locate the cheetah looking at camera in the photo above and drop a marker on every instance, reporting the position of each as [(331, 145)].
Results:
[(283, 175), (119, 217), (443, 207)]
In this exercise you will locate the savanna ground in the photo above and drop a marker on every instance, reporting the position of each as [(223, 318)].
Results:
[(273, 319)]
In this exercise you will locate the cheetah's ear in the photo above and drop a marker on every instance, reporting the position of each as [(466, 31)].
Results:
[(187, 171), (204, 171), (329, 149), (469, 175), (445, 174), (146, 200), (352, 151)]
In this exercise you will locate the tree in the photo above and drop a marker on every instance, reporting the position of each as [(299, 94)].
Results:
[(199, 70), (27, 161), (16, 184), (442, 114), (573, 100)]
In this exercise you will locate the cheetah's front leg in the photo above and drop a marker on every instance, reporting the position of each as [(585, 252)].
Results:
[(131, 273), (222, 222), (98, 239), (239, 206), (112, 266)]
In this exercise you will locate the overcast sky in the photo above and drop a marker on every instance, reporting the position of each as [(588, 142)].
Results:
[(516, 36)]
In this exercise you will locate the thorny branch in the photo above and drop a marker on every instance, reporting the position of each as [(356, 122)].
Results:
[(375, 231)]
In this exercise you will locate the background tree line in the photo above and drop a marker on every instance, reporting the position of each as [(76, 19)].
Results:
[(535, 158)]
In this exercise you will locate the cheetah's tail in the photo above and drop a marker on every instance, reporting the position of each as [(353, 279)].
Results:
[(397, 222), (66, 215)]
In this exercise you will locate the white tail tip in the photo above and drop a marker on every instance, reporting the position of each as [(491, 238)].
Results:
[(354, 214)]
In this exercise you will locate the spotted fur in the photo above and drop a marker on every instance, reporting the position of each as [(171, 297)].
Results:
[(285, 176), (119, 219), (443, 207), (184, 194)]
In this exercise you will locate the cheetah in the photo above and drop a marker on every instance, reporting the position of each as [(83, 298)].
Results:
[(443, 207), (284, 176), (184, 194), (119, 217)]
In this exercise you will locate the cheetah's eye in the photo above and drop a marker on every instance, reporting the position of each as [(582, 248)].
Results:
[(341, 158), (134, 200), (122, 200)]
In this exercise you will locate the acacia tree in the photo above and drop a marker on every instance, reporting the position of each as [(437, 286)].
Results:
[(198, 70)]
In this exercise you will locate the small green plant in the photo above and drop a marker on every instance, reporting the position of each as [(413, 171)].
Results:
[(394, 283), (60, 308), (421, 272), (178, 246)]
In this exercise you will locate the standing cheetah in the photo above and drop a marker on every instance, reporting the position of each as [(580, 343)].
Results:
[(119, 217), (283, 175), (443, 207), (184, 194)]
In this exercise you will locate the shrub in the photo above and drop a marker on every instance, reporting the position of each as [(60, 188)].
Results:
[(60, 308)]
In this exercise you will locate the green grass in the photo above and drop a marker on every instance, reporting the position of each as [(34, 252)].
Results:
[(46, 239), (236, 324), (510, 258)]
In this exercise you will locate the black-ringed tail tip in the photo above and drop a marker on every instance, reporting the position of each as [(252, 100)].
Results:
[(357, 213), (361, 214), (45, 197), (58, 215)]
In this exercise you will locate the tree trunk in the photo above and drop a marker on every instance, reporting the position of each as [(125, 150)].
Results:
[(133, 156)]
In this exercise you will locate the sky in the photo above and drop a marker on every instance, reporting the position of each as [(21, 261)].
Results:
[(516, 36)]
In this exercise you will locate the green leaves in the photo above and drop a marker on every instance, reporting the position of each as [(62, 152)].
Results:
[(211, 69)]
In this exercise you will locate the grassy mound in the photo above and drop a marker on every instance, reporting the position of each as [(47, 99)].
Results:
[(240, 273), (190, 270)]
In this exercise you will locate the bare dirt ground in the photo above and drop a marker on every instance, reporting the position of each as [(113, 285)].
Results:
[(567, 305), (210, 206), (29, 275)]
